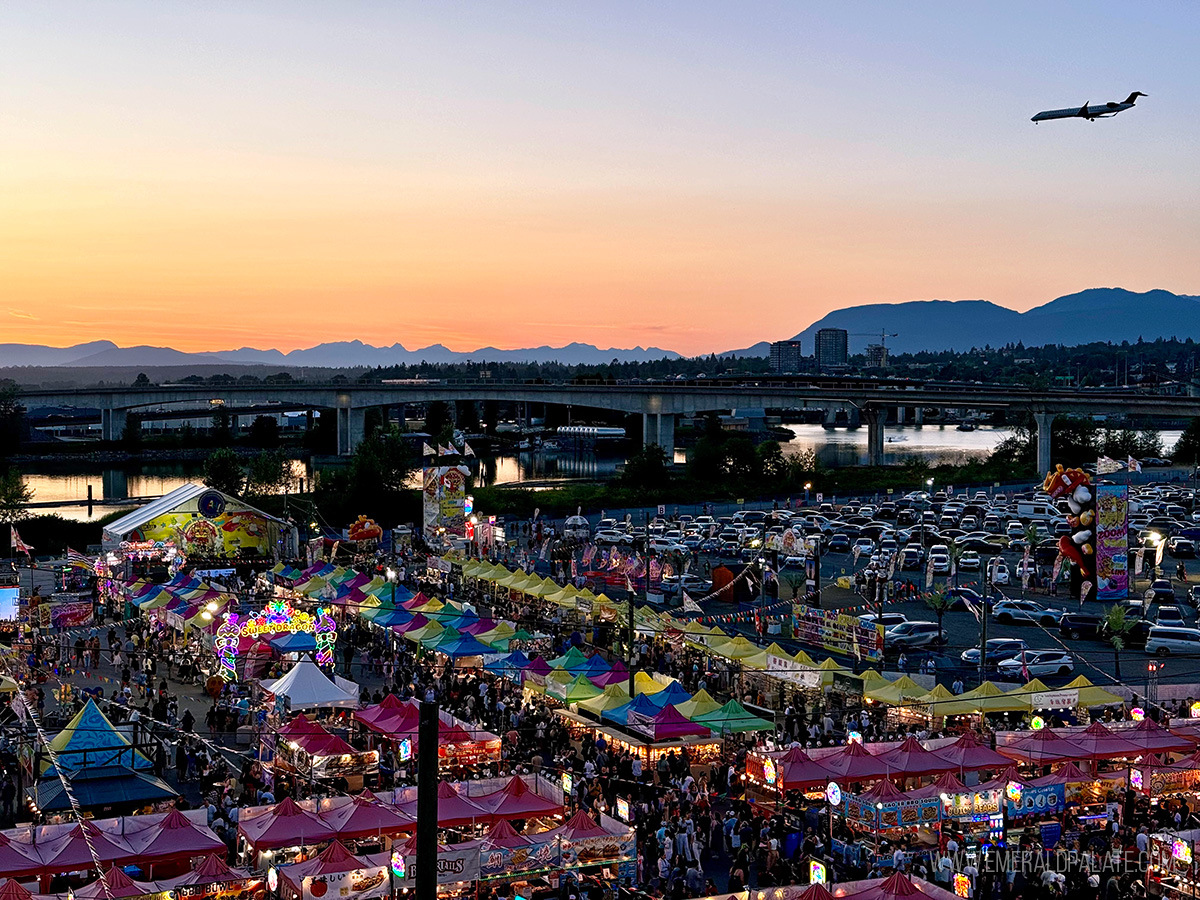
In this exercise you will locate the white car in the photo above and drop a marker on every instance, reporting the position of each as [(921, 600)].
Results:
[(1008, 611), (865, 546), (1163, 640), (888, 619), (997, 571), (1037, 663), (940, 562), (969, 561)]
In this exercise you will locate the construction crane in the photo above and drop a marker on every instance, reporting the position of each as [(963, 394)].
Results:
[(883, 336)]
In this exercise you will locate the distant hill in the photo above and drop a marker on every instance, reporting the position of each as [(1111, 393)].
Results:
[(1097, 314), (341, 354)]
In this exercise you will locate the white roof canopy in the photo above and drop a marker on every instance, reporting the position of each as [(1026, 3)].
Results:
[(307, 687)]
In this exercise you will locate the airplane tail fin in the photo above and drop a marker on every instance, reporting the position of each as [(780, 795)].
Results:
[(1132, 98)]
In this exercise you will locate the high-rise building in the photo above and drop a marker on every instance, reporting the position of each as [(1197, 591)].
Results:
[(831, 348), (876, 356), (786, 357)]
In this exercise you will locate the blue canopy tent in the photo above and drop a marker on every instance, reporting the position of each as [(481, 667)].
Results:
[(620, 714)]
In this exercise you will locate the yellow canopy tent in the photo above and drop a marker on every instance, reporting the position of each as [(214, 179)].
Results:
[(613, 696), (700, 704), (7, 685), (502, 632), (1090, 695), (939, 695), (418, 635), (895, 693), (564, 597), (644, 684), (985, 698), (737, 648), (433, 606), (546, 586), (871, 678)]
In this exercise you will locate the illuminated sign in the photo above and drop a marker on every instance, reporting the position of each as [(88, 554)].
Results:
[(1038, 723), (1182, 851), (1012, 791), (1194, 712), (816, 873), (962, 886), (833, 794), (273, 879), (404, 749), (1137, 714), (568, 784), (854, 737), (398, 866), (1135, 779), (770, 773), (622, 809), (277, 617)]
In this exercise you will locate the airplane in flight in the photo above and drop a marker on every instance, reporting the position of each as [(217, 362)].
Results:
[(1091, 113)]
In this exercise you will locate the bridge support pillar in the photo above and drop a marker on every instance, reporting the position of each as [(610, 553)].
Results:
[(350, 423), (919, 415), (874, 419), (666, 435), (1043, 420), (112, 424), (900, 411), (831, 413), (116, 484)]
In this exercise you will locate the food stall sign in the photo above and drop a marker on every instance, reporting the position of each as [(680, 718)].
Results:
[(816, 873)]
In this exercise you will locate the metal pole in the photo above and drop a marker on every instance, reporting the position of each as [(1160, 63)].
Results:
[(631, 639), (427, 802)]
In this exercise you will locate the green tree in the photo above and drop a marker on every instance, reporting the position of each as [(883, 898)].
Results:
[(142, 380), (11, 416), (222, 425), (1116, 626), (269, 473), (1187, 448), (223, 471), (14, 494), (771, 463), (939, 602), (264, 432), (131, 433), (646, 469)]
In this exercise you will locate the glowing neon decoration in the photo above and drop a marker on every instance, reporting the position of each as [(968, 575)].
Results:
[(1194, 711), (1038, 723), (1137, 714), (770, 773), (833, 794), (1135, 779), (398, 865), (404, 750), (1012, 791), (816, 873), (962, 886), (568, 784), (1182, 851), (277, 617), (854, 737), (622, 809)]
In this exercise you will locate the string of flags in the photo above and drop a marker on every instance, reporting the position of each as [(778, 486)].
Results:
[(447, 450)]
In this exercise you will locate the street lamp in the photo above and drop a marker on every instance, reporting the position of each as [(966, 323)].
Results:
[(807, 488)]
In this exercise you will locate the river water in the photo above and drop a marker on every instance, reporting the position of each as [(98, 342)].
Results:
[(936, 444)]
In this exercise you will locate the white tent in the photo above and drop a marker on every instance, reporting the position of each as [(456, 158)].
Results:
[(307, 687)]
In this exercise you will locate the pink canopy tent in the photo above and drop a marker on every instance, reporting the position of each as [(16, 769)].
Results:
[(516, 801), (579, 827), (18, 860), (388, 706), (854, 763), (1150, 737), (1069, 773), (1001, 780), (669, 725), (284, 825), (415, 602), (499, 835), (618, 674), (212, 870), (970, 754), (174, 838), (910, 759), (883, 792), (453, 808), (367, 816), (1098, 742), (797, 770), (815, 892), (115, 884), (390, 720), (419, 620), (946, 783), (1041, 748), (70, 853), (897, 885), (333, 859)]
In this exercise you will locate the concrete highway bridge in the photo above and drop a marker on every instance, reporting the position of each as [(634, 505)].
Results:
[(864, 399)]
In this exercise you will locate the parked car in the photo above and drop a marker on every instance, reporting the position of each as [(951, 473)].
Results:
[(1164, 640), (1168, 615), (911, 558), (1038, 663), (864, 546), (613, 538), (839, 543), (1160, 591), (889, 619), (909, 635), (1077, 626), (998, 649), (1009, 611), (997, 570), (1181, 548), (969, 561)]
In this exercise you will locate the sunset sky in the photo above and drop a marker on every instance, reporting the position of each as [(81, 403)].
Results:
[(697, 176)]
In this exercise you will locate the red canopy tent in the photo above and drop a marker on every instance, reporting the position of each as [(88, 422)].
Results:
[(499, 835), (1098, 742), (815, 892), (175, 838), (883, 792), (453, 808), (947, 783), (579, 827), (366, 816), (70, 853), (1150, 737), (10, 890), (284, 825), (1000, 782), (414, 602), (969, 754), (385, 708), (334, 858), (897, 885), (854, 763), (797, 771), (911, 759), (516, 801), (1041, 748), (115, 884), (1069, 773), (213, 870), (18, 860)]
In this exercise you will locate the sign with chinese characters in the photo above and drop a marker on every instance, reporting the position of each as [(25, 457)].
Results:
[(277, 617)]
